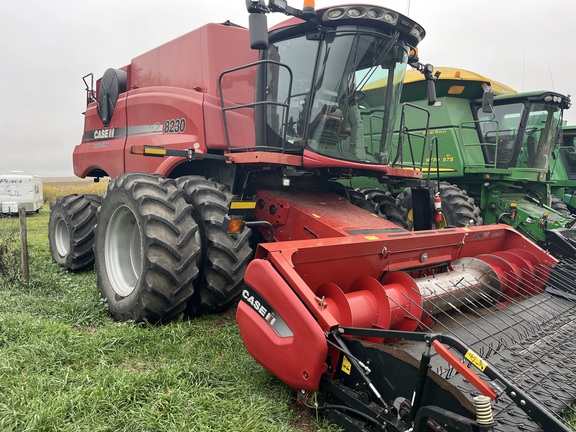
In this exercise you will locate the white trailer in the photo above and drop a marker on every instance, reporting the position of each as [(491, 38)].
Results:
[(18, 190)]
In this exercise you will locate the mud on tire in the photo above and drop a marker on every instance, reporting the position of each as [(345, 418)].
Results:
[(71, 231), (145, 248), (223, 258)]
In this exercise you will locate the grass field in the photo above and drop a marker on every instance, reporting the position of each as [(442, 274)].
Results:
[(65, 365)]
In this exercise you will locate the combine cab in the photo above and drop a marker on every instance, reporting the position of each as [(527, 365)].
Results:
[(238, 198), (489, 150), (563, 173)]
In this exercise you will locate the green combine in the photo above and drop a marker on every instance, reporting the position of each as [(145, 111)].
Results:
[(488, 152), (563, 172)]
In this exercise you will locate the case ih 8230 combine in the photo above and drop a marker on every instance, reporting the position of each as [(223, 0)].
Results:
[(381, 328)]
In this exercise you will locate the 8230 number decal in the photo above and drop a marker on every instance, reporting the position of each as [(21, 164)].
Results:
[(174, 126)]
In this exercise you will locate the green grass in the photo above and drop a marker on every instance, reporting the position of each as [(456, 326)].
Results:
[(65, 365)]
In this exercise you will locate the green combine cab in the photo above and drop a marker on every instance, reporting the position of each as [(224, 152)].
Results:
[(563, 172), (492, 148)]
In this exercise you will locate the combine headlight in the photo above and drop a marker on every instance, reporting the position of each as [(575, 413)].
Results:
[(279, 5), (385, 16), (390, 17), (355, 12), (335, 13), (374, 13), (417, 32)]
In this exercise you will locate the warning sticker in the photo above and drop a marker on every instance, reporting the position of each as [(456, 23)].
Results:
[(346, 366), (476, 360)]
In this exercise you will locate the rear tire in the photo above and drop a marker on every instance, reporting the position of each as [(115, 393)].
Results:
[(71, 231), (560, 206), (145, 248), (458, 209), (223, 258), (386, 206)]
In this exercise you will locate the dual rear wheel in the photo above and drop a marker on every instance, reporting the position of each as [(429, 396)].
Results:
[(160, 248)]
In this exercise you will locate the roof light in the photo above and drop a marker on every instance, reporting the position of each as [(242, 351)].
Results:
[(417, 32), (390, 17), (374, 13), (355, 12), (278, 4), (335, 13)]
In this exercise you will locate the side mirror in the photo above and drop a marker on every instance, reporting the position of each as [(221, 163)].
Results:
[(431, 89), (487, 102), (430, 83), (258, 24)]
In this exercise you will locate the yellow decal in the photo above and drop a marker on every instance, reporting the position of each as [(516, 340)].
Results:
[(346, 366), (433, 169), (154, 151), (242, 205), (447, 158), (371, 238), (476, 360), (316, 216)]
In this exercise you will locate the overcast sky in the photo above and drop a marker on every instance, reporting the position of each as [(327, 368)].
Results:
[(46, 47)]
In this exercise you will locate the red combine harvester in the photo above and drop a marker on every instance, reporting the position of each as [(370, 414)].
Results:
[(381, 328)]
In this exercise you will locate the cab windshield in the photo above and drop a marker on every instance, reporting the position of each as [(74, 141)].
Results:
[(509, 144), (345, 90)]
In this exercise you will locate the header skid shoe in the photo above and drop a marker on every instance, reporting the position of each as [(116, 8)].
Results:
[(476, 295)]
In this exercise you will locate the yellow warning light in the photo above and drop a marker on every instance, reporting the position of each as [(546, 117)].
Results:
[(235, 225), (513, 204), (138, 149), (456, 90), (545, 214), (309, 4)]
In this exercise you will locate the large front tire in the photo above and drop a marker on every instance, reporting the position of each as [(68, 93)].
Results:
[(145, 248), (71, 231), (458, 209), (223, 258)]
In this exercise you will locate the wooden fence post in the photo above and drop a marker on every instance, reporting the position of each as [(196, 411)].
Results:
[(24, 243)]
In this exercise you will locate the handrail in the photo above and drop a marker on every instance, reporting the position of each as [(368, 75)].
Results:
[(255, 104)]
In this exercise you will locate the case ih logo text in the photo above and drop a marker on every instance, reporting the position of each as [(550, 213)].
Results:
[(259, 307), (104, 134)]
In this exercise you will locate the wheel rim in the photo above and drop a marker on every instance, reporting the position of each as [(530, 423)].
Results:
[(122, 251), (62, 238)]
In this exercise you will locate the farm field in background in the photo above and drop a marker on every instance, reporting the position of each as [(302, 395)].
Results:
[(65, 365), (56, 186)]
